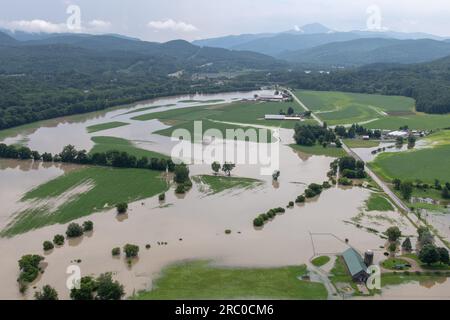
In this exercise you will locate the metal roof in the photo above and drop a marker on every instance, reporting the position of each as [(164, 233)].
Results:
[(355, 263)]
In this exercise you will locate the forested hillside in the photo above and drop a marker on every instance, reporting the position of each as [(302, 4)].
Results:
[(69, 74)]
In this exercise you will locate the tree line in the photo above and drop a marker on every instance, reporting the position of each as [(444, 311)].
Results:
[(70, 154)]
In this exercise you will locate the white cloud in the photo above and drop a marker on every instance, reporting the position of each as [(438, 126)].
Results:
[(36, 26), (99, 24), (42, 26), (173, 25)]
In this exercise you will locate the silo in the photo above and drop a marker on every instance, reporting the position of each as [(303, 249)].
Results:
[(368, 258)]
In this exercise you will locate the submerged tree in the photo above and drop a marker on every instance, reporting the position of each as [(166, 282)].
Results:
[(228, 167), (47, 293), (215, 166)]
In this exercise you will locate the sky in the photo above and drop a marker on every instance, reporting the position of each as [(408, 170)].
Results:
[(163, 20)]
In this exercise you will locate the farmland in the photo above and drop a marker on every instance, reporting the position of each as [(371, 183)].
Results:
[(199, 280)]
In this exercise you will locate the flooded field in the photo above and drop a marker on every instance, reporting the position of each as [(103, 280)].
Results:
[(192, 225)]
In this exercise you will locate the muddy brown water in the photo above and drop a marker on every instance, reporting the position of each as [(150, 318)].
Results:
[(194, 225)]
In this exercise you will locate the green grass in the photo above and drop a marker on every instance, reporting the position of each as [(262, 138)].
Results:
[(432, 267), (346, 108), (217, 184), (358, 143), (149, 108), (425, 164), (320, 261), (236, 112), (419, 121), (104, 144), (378, 202), (106, 126), (198, 280), (319, 150), (265, 136), (392, 262), (110, 186)]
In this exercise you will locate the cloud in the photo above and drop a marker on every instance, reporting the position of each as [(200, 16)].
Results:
[(35, 26), (173, 25), (99, 24), (42, 26)]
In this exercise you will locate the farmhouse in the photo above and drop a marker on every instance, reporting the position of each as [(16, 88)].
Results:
[(355, 265)]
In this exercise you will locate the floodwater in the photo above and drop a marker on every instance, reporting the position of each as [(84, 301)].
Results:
[(194, 225)]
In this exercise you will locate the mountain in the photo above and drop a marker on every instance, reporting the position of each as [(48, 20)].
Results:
[(368, 51), (6, 39), (110, 53), (307, 36)]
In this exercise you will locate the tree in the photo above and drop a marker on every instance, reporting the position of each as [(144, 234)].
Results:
[(47, 293), (290, 111), (215, 166), (48, 245), (429, 254), (29, 267), (443, 255), (115, 251), (276, 175), (131, 250), (58, 239), (228, 167), (445, 193), (406, 245), (258, 222), (74, 230), (107, 289), (181, 173), (392, 247), (425, 236), (393, 234), (68, 154), (86, 291), (122, 207), (406, 189), (88, 226), (397, 183)]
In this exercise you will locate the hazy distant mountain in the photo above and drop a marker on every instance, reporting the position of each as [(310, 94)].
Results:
[(307, 36), (6, 39), (110, 53), (368, 51)]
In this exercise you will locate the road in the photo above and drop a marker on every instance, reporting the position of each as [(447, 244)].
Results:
[(381, 183), (375, 178)]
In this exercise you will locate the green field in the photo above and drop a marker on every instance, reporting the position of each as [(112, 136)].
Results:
[(108, 187), (236, 112), (419, 121), (217, 184), (105, 126), (148, 108), (198, 280), (358, 143), (253, 135), (425, 164), (392, 262), (320, 261), (378, 202), (104, 144), (347, 108), (319, 150)]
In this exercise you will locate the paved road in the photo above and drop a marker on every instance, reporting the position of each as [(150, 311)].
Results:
[(380, 182)]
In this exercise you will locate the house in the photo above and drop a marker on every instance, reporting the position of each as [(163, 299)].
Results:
[(355, 265), (396, 134)]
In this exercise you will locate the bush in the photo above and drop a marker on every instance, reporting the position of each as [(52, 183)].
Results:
[(115, 252), (74, 230), (345, 182), (310, 193), (48, 245), (180, 189), (122, 208), (228, 231), (58, 240), (131, 250), (291, 204), (258, 222), (88, 226), (300, 199), (47, 293)]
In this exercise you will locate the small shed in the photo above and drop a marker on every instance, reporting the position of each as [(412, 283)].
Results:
[(355, 265)]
